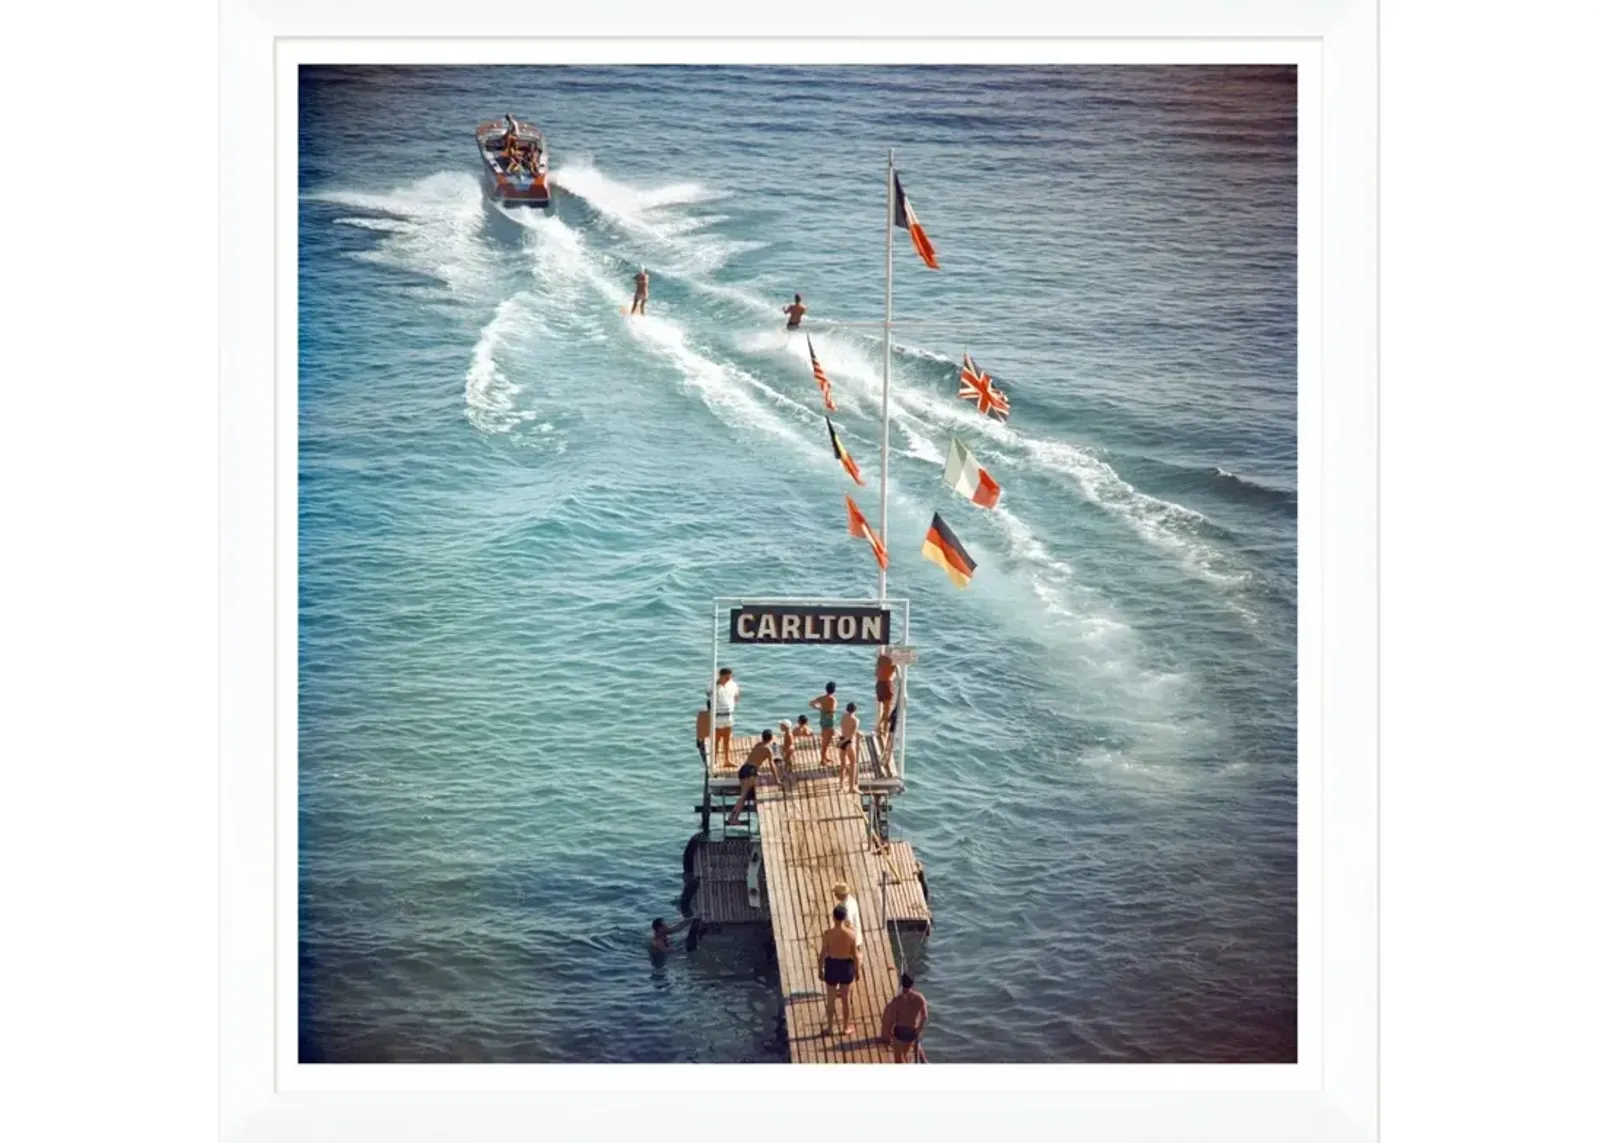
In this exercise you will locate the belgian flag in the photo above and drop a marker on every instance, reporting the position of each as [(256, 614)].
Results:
[(941, 546), (843, 455)]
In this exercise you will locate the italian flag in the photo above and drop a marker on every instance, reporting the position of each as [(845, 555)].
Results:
[(963, 473)]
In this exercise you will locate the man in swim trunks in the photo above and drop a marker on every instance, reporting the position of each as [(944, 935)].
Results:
[(849, 733), (749, 774), (826, 703), (904, 1017), (796, 311), (838, 964), (885, 691), (641, 291)]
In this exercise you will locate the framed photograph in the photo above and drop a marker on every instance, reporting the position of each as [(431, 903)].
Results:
[(762, 540)]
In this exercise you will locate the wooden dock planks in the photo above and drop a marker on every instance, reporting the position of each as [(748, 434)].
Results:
[(812, 836)]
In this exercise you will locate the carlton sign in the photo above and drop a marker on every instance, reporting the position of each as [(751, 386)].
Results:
[(773, 624)]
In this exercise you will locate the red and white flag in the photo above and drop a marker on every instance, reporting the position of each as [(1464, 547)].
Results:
[(963, 473), (822, 379), (863, 530), (979, 386), (906, 219)]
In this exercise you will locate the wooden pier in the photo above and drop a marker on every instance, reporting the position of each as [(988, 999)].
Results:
[(811, 833)]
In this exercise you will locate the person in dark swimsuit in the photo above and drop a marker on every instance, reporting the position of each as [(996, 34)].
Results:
[(838, 964), (795, 312), (849, 732), (749, 774), (904, 1017)]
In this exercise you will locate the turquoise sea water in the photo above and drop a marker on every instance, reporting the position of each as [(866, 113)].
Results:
[(516, 505)]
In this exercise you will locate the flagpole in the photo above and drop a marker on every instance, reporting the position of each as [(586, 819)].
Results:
[(888, 290)]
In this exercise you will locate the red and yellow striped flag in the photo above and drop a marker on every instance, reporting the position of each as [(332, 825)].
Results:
[(860, 528)]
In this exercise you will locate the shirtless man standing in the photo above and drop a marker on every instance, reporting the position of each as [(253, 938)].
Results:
[(641, 291), (760, 754), (796, 311), (849, 734), (838, 964), (884, 692), (826, 703), (904, 1017)]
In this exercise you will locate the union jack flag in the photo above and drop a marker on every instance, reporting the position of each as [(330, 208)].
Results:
[(978, 386), (822, 379)]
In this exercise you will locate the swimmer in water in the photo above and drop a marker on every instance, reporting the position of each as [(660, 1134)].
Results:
[(661, 935)]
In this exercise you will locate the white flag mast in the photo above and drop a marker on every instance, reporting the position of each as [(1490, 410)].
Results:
[(888, 294)]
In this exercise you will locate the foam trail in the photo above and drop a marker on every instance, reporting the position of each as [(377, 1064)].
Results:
[(432, 226), (724, 388), (1162, 523), (647, 214), (490, 394)]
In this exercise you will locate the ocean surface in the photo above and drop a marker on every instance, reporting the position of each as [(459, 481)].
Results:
[(516, 504)]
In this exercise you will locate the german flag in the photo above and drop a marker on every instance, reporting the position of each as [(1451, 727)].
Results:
[(822, 379), (844, 456), (941, 546), (860, 528), (906, 219)]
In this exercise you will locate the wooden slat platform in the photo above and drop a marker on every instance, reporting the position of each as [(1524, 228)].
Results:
[(874, 769), (812, 836), (722, 898)]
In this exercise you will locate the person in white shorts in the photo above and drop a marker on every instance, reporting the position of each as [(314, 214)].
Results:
[(727, 698)]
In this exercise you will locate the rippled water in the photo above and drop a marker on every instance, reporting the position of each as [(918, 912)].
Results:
[(516, 504)]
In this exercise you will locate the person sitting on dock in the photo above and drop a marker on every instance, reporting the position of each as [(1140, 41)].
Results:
[(727, 697), (786, 754), (843, 896), (904, 1017), (796, 311), (661, 935), (849, 734), (750, 774), (838, 964), (827, 704)]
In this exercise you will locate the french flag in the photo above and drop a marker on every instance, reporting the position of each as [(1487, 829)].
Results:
[(906, 219)]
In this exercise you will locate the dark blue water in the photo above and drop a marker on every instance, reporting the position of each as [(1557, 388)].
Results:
[(516, 504)]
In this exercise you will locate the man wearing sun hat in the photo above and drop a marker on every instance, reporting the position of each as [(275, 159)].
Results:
[(843, 896)]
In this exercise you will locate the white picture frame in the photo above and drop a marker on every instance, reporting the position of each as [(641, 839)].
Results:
[(1330, 1093)]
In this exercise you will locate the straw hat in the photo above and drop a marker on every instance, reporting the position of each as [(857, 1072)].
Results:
[(841, 890)]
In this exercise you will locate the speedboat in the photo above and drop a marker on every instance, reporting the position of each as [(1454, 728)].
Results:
[(515, 162)]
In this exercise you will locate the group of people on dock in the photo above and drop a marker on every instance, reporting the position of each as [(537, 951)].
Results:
[(722, 698), (838, 965)]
